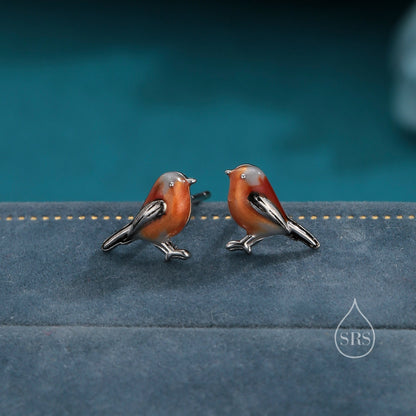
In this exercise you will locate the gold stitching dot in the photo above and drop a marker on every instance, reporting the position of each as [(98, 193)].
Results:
[(203, 217), (362, 217), (33, 218), (215, 217), (130, 217), (301, 217), (118, 217), (81, 217), (411, 217), (374, 217), (326, 217), (350, 217), (69, 217), (94, 217), (228, 217), (58, 218), (338, 217), (45, 218), (387, 217), (193, 217), (9, 218), (21, 218), (399, 217), (313, 217), (106, 217)]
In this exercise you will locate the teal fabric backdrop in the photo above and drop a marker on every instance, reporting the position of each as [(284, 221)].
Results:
[(98, 99)]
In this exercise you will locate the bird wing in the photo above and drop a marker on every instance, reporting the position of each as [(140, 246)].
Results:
[(128, 233), (267, 209), (148, 213)]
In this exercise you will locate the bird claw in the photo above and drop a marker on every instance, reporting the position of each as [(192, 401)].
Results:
[(246, 243), (171, 252), (238, 245), (177, 254)]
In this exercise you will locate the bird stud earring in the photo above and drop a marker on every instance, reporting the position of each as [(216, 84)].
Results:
[(164, 213), (254, 206)]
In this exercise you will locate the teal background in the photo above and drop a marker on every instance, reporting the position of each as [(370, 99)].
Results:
[(97, 99)]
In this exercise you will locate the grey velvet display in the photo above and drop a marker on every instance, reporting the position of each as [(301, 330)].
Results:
[(124, 332)]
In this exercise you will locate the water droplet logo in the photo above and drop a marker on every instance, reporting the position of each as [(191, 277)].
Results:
[(354, 336)]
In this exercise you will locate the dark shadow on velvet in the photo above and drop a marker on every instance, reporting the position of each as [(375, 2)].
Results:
[(283, 250), (282, 255), (108, 272)]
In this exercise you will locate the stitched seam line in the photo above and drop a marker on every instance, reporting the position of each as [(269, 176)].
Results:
[(46, 218)]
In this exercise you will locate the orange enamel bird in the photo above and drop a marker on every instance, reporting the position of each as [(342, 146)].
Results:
[(164, 213), (254, 206)]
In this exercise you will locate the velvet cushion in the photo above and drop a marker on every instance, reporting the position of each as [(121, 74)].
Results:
[(123, 332)]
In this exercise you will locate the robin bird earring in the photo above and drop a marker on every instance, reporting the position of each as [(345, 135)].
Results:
[(164, 213), (255, 207)]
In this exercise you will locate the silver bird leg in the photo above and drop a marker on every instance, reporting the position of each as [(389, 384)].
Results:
[(246, 243), (170, 251)]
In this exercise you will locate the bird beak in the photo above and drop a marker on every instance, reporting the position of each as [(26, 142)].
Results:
[(228, 172), (190, 180)]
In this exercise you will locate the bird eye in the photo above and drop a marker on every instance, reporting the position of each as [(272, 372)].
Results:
[(243, 176), (171, 184)]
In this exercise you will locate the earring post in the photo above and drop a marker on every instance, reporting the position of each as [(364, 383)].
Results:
[(199, 197)]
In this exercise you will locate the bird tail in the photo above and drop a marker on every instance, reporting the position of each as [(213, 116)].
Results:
[(120, 237), (297, 232)]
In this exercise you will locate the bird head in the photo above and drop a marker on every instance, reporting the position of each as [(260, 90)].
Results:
[(246, 179), (169, 185), (246, 176), (174, 181)]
